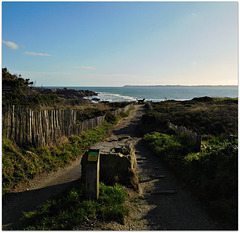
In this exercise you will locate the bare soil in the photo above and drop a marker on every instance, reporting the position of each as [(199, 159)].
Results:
[(162, 203)]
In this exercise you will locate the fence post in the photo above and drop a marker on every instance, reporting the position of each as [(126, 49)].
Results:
[(92, 174), (198, 143)]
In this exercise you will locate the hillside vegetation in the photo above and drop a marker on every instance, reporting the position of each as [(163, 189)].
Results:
[(204, 115), (17, 90), (211, 173)]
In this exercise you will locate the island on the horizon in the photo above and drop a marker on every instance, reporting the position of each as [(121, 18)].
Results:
[(180, 86)]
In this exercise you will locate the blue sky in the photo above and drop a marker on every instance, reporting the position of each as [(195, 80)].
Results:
[(119, 43)]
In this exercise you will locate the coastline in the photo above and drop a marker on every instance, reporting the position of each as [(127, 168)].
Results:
[(159, 93)]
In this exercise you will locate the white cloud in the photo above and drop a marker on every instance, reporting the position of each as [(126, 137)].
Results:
[(11, 45), (86, 67), (36, 54)]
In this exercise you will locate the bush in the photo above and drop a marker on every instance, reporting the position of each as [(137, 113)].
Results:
[(21, 92), (110, 117), (167, 145)]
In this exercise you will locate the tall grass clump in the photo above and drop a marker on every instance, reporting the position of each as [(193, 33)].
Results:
[(72, 209)]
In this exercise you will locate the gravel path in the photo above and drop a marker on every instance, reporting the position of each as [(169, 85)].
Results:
[(161, 204)]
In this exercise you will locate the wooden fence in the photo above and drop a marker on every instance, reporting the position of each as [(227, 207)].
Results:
[(39, 128)]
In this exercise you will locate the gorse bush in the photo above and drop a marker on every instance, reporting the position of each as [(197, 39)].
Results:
[(73, 209)]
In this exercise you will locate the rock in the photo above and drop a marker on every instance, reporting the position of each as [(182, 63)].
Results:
[(117, 163), (202, 99), (95, 99)]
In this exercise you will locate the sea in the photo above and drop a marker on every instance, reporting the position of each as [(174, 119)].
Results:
[(158, 93)]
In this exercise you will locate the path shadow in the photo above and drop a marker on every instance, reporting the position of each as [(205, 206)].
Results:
[(176, 211), (14, 204)]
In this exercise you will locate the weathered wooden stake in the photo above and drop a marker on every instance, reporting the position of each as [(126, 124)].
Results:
[(198, 143), (92, 174)]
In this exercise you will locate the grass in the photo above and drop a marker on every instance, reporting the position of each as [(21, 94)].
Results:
[(73, 209)]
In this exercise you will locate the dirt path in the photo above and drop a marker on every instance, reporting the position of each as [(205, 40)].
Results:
[(149, 210)]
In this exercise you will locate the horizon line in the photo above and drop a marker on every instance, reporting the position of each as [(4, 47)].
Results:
[(143, 85)]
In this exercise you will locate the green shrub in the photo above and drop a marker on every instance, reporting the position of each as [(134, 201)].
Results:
[(109, 117), (21, 92), (167, 145)]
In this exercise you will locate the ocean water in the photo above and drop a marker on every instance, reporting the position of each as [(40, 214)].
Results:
[(159, 93)]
